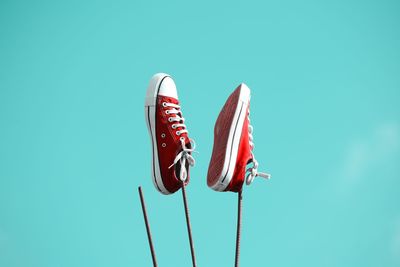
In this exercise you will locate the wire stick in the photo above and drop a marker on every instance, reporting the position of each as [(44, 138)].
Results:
[(146, 221), (188, 225), (238, 230)]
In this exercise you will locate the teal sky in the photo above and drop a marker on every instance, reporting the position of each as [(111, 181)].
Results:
[(325, 81)]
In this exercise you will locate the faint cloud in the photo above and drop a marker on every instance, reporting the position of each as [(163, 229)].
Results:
[(365, 154)]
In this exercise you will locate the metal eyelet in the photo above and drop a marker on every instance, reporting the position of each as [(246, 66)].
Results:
[(167, 112), (163, 145), (173, 126), (170, 119), (178, 133), (182, 138), (164, 104), (163, 135)]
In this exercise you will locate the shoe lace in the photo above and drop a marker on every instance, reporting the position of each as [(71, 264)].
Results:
[(185, 155), (253, 170)]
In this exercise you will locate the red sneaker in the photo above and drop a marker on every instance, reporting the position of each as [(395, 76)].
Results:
[(171, 145), (233, 145)]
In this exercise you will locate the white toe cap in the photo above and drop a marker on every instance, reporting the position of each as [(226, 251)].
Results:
[(168, 88)]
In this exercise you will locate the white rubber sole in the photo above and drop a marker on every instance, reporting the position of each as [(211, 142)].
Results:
[(232, 146), (150, 117)]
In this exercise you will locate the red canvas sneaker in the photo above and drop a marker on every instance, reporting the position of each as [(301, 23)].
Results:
[(233, 145), (171, 144)]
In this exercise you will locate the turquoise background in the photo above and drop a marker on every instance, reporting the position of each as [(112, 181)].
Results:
[(325, 80)]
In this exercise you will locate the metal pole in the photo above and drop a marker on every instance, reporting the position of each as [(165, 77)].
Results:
[(146, 221), (238, 230), (188, 225)]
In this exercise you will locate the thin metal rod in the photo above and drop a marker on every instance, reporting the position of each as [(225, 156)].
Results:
[(238, 230), (146, 221), (189, 228)]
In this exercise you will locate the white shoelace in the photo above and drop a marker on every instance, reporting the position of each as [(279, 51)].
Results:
[(185, 155), (253, 172)]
